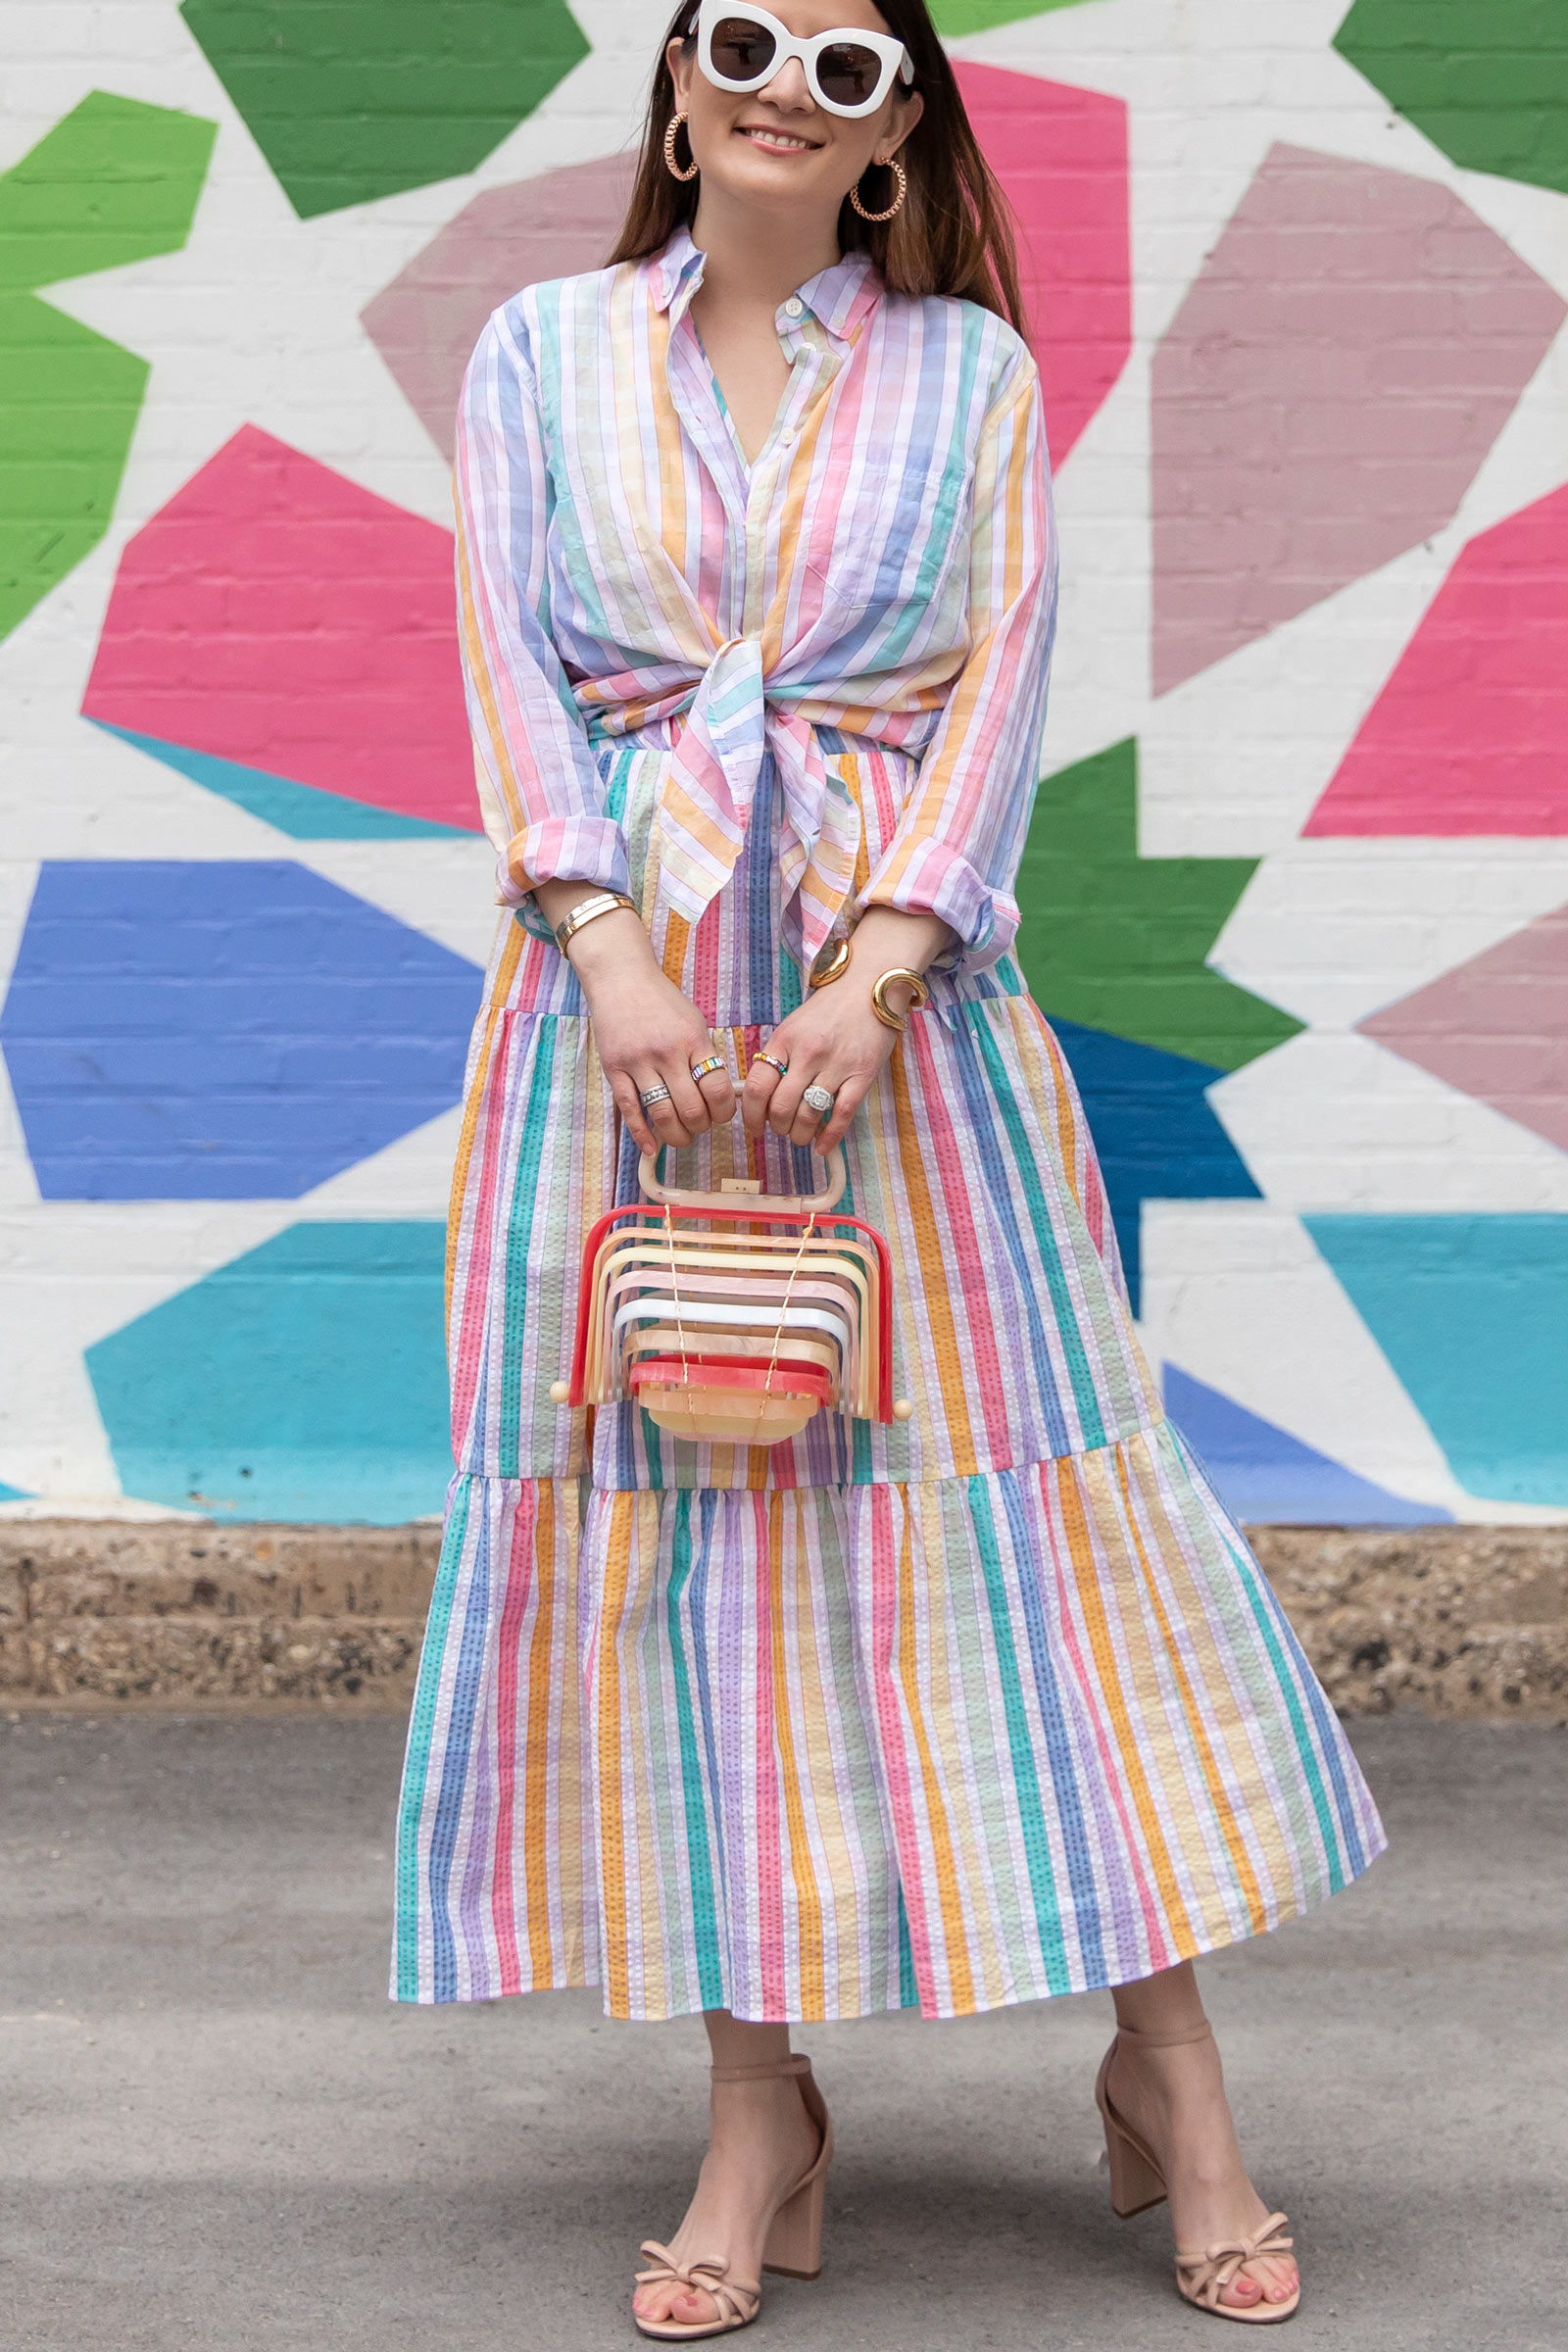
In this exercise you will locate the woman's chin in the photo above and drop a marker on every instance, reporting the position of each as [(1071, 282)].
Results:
[(760, 175)]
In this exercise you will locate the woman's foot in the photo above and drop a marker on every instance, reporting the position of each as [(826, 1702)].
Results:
[(761, 2143), (1174, 2098)]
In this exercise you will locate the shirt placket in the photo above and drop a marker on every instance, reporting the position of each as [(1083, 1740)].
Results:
[(813, 363), (752, 500)]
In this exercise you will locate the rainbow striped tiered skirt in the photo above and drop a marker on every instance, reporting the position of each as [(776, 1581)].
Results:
[(989, 1705)]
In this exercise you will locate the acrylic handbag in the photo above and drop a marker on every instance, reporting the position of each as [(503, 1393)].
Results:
[(734, 1317)]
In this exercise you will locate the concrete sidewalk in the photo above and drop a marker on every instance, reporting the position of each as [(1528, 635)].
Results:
[(220, 2134)]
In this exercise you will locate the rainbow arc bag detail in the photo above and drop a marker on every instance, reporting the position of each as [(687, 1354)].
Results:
[(740, 1321)]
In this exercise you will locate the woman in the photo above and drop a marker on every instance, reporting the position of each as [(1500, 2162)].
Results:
[(757, 575)]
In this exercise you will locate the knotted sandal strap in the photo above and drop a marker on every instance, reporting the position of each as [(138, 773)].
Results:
[(1203, 2277), (738, 2305)]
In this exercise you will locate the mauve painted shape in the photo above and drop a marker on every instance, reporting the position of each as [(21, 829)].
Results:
[(1470, 733), (1325, 394), (275, 614), (1496, 1027), (427, 321)]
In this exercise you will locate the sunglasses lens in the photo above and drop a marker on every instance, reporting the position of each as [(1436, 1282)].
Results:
[(741, 49), (847, 75)]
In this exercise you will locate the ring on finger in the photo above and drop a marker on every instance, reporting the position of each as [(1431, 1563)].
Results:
[(818, 1099), (707, 1066), (773, 1061), (651, 1095)]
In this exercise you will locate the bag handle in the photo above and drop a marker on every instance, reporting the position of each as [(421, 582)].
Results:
[(747, 1203)]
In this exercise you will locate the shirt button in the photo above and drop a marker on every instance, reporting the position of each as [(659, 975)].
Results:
[(794, 307)]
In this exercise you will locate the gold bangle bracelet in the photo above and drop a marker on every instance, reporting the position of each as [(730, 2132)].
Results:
[(588, 910), (832, 962), (920, 995)]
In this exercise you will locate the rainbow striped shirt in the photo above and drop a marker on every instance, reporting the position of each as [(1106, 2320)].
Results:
[(886, 570)]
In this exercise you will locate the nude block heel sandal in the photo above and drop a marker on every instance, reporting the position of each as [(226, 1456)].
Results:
[(792, 2248), (1137, 2182)]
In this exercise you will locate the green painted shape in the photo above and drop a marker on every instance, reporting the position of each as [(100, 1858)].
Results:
[(1487, 80), (351, 100), (115, 182), (1117, 941), (955, 18), (69, 401)]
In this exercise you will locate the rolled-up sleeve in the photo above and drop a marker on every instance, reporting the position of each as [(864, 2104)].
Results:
[(539, 786), (957, 845)]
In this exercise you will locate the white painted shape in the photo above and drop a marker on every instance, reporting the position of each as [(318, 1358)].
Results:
[(1335, 930), (410, 1178), (1236, 1294), (443, 888), (1330, 1123)]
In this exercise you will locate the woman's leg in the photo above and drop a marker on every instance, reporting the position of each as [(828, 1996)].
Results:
[(760, 2141), (1174, 2096)]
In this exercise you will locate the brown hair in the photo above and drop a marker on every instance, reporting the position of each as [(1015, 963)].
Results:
[(952, 234)]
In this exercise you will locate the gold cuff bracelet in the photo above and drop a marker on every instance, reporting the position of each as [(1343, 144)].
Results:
[(920, 995)]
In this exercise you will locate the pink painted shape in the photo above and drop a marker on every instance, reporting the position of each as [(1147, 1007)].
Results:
[(426, 322), (1496, 1028), (276, 614), (1061, 155), (1323, 397), (1470, 734)]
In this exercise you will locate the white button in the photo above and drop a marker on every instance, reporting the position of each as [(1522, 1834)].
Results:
[(794, 307)]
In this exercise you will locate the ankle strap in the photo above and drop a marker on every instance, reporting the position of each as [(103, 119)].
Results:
[(1165, 2042), (774, 2070)]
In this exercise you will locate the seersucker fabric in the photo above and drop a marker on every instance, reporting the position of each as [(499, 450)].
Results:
[(977, 1708)]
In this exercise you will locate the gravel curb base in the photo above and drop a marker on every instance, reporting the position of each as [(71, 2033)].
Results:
[(1462, 1622)]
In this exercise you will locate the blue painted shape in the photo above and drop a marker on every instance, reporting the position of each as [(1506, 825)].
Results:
[(1155, 1133), (302, 810), (1472, 1313), (222, 1032), (1266, 1475), (13, 1493), (304, 1381)]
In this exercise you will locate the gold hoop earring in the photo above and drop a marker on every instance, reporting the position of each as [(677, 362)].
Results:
[(894, 165), (670, 165)]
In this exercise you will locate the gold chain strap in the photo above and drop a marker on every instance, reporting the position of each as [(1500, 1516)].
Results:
[(796, 1264), (674, 1284), (778, 1334)]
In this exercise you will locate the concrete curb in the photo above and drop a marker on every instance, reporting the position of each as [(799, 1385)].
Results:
[(1466, 1622)]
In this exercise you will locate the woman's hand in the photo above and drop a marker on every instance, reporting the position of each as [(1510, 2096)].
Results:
[(834, 1039), (646, 1033)]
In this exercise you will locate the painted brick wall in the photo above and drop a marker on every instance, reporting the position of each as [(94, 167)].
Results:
[(1297, 892)]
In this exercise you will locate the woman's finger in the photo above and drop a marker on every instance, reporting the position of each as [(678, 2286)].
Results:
[(806, 1125), (717, 1091), (623, 1088), (850, 1095), (690, 1104), (757, 1095), (662, 1116), (784, 1103)]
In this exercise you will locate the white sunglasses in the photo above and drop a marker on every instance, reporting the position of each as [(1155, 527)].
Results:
[(847, 71)]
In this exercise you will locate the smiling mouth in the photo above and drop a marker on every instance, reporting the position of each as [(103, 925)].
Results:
[(762, 134)]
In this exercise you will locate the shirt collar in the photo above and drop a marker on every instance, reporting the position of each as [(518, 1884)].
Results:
[(838, 297)]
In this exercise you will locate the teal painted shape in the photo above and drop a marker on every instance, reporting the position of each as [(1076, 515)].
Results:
[(13, 1493), (1472, 1313), (301, 810), (304, 1381)]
